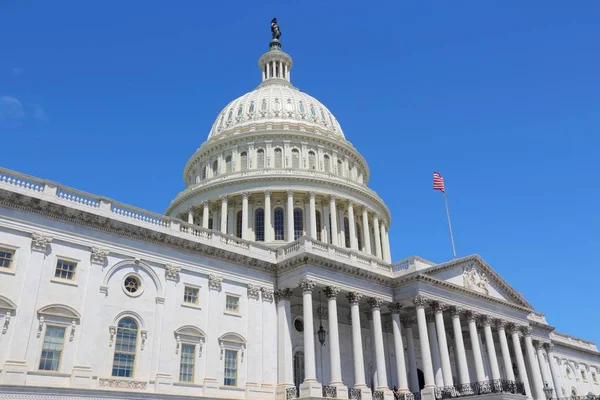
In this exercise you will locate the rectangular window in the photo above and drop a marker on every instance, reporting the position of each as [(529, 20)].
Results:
[(230, 368), (52, 348), (190, 295), (232, 303), (186, 369), (65, 269), (6, 257)]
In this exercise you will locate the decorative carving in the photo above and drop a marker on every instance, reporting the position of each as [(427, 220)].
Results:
[(437, 306), (99, 255), (407, 322), (430, 316), (331, 292), (267, 193), (72, 333), (253, 291), (322, 312), (312, 195), (354, 297), (172, 272), (214, 282), (420, 301), (475, 280), (283, 294), (40, 327), (290, 193), (122, 384), (267, 294), (471, 316), (7, 317), (223, 198), (374, 303), (513, 328), (486, 320), (178, 346), (40, 242), (144, 336), (307, 285), (501, 324), (549, 347), (387, 327), (395, 308), (245, 195), (112, 330), (526, 330), (455, 311)]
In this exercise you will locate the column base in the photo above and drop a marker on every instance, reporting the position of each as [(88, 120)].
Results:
[(341, 390), (365, 393), (281, 392), (163, 383), (311, 389), (428, 393), (14, 372), (81, 377)]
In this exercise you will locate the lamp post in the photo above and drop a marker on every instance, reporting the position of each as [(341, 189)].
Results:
[(321, 332), (548, 391)]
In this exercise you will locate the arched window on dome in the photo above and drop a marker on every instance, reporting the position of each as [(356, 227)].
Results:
[(298, 223), (347, 232), (279, 224), (259, 225), (238, 224), (125, 346), (359, 236), (295, 159), (278, 158), (215, 168), (210, 223), (330, 234), (244, 161), (318, 223), (326, 164), (340, 167), (203, 175), (228, 164), (312, 160), (260, 158)]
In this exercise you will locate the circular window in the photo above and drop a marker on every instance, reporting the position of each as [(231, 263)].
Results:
[(132, 285), (299, 325)]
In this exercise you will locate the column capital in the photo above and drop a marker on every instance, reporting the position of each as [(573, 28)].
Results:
[(332, 197), (407, 322), (354, 297), (501, 324), (471, 316), (283, 294), (253, 291), (537, 344), (205, 203), (420, 301), (513, 328), (526, 330), (364, 209), (190, 209), (289, 192), (430, 316), (307, 285), (375, 216), (437, 306), (374, 303), (331, 292), (223, 197), (267, 193), (245, 195), (312, 194), (486, 320), (395, 308), (455, 311), (267, 294), (549, 347)]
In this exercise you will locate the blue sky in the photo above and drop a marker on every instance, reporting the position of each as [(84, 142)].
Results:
[(501, 97)]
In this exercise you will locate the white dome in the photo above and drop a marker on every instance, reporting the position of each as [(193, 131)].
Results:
[(275, 101)]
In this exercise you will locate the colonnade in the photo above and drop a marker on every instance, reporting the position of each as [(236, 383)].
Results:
[(435, 357), (322, 217)]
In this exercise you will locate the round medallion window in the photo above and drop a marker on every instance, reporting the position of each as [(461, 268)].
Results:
[(132, 285), (299, 325)]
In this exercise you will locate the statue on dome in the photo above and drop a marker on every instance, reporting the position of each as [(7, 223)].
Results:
[(275, 29)]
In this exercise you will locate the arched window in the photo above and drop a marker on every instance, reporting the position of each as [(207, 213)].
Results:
[(210, 223), (228, 164), (326, 165), (203, 176), (347, 232), (359, 236), (259, 225), (125, 346), (215, 168), (260, 158), (295, 159), (278, 224), (278, 158), (340, 170), (298, 223), (238, 224), (312, 160), (298, 368), (244, 161), (318, 219), (330, 234)]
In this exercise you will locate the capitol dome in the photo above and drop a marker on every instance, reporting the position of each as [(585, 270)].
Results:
[(276, 166)]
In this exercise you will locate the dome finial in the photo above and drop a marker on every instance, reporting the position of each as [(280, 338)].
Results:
[(275, 64), (276, 34)]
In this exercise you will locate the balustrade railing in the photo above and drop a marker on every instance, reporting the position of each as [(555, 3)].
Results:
[(480, 388), (291, 393), (20, 180), (377, 395), (354, 394), (586, 397), (329, 392)]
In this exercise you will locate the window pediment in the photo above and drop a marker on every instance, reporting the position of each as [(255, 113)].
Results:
[(190, 330), (7, 304), (59, 311), (232, 337)]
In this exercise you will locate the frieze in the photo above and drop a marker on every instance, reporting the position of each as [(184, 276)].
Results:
[(122, 384), (98, 255), (40, 242)]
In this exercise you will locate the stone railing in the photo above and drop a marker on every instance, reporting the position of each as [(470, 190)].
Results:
[(329, 392), (354, 394), (21, 180), (480, 388), (291, 393), (114, 383)]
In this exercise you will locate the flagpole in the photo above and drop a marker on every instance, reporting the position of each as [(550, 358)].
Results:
[(449, 224)]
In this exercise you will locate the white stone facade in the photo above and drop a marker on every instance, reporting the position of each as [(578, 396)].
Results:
[(101, 300)]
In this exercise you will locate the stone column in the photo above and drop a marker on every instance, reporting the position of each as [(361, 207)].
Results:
[(514, 331), (506, 359), (435, 350), (211, 381), (387, 244), (407, 324), (224, 214), (384, 244), (325, 225), (285, 361), (269, 338), (366, 231), (438, 309), (428, 391), (313, 215), (538, 386), (310, 387), (376, 232), (399, 347), (540, 356), (334, 342), (268, 213), (461, 355), (375, 305), (333, 217), (342, 227), (205, 214), (190, 215), (254, 335), (553, 369), (290, 216), (479, 371), (357, 350), (245, 215), (352, 226), (486, 320)]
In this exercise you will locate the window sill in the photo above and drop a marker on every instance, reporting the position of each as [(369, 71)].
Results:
[(233, 314), (188, 384), (64, 282), (189, 305), (48, 373), (237, 388), (8, 271)]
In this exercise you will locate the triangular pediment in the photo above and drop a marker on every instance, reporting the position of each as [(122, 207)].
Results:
[(476, 276)]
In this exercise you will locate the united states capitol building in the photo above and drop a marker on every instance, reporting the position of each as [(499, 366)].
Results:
[(269, 277)]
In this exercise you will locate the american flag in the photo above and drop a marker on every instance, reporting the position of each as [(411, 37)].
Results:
[(438, 182)]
